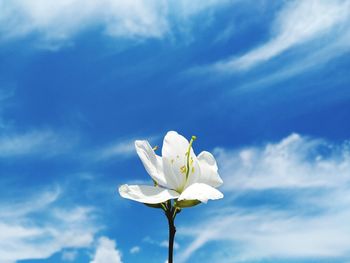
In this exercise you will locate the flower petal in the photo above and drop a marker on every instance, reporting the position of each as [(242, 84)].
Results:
[(174, 150), (201, 192), (174, 181), (174, 144), (209, 170), (151, 162), (147, 194)]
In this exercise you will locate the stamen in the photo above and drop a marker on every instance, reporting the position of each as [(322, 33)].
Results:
[(188, 156), (155, 183)]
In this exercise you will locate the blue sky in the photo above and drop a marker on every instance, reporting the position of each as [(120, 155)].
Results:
[(263, 85)]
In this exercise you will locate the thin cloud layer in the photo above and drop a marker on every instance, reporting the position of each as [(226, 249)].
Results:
[(69, 255), (295, 162), (39, 230), (123, 148), (298, 22), (270, 234), (60, 20), (32, 143), (311, 175)]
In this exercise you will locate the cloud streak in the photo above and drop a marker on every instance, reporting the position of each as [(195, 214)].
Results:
[(39, 230), (32, 142), (299, 22), (294, 162), (311, 176), (58, 21), (119, 149), (122, 148)]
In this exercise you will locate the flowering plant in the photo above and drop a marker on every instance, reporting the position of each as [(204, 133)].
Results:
[(181, 179)]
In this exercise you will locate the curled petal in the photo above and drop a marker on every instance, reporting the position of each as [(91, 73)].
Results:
[(209, 170), (151, 162), (201, 192), (147, 194)]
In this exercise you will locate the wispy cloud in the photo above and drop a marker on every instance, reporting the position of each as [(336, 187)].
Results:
[(297, 23), (62, 19), (312, 60), (135, 250), (39, 230), (122, 149), (311, 175), (58, 21), (38, 203), (295, 162), (69, 255), (266, 234), (46, 142), (106, 251)]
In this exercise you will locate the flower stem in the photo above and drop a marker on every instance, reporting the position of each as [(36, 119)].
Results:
[(170, 214)]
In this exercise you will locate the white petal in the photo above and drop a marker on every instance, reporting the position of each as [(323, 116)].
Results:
[(147, 194), (174, 181), (174, 150), (209, 170), (201, 192), (152, 162), (174, 144)]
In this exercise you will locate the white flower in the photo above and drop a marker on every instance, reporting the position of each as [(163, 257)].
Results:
[(178, 173)]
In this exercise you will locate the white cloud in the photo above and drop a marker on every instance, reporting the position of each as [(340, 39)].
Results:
[(313, 60), (297, 23), (38, 228), (294, 162), (69, 255), (135, 250), (265, 234), (311, 175), (60, 20), (123, 148), (45, 142), (31, 205), (106, 252)]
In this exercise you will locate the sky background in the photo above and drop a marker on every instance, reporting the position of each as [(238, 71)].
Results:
[(264, 85)]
